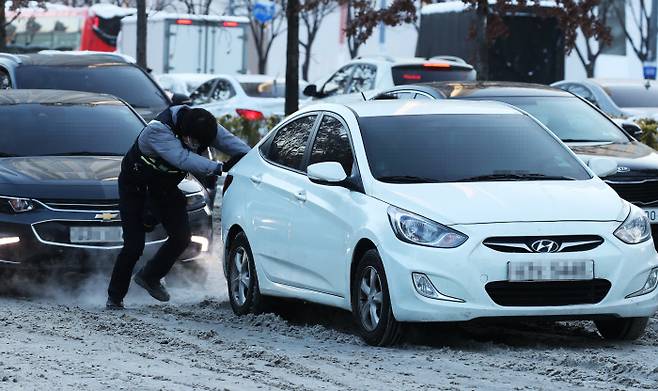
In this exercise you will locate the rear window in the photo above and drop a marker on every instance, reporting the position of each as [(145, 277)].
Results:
[(124, 81), (411, 74), (634, 96), (42, 130), (464, 148)]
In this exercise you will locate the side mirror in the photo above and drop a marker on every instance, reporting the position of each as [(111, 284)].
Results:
[(602, 167), (326, 173), (180, 99), (311, 90), (633, 129)]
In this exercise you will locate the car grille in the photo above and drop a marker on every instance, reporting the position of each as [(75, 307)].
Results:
[(642, 193), (58, 232), (86, 205), (523, 244), (547, 293)]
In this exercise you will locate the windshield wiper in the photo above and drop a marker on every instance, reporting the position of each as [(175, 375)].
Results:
[(406, 179), (3, 154), (574, 140), (516, 177), (84, 153)]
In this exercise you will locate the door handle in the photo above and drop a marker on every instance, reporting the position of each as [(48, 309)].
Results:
[(256, 179), (301, 196)]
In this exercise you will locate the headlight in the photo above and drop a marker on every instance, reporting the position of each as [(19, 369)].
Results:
[(15, 205), (635, 229), (412, 228), (195, 201)]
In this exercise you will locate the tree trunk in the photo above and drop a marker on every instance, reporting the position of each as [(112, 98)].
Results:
[(306, 65), (481, 41), (141, 33), (3, 28), (292, 57), (262, 64)]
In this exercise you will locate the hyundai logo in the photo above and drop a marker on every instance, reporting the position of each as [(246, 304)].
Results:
[(544, 246), (623, 169)]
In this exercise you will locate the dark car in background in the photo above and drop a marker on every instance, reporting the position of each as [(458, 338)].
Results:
[(584, 128), (104, 73), (59, 163), (618, 98)]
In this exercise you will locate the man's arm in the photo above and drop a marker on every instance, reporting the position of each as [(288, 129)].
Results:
[(160, 140), (229, 144)]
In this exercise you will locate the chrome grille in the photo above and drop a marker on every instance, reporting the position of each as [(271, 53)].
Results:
[(523, 244), (641, 193), (86, 205)]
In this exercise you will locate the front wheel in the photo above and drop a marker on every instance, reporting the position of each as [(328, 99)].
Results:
[(624, 329), (243, 292), (371, 303)]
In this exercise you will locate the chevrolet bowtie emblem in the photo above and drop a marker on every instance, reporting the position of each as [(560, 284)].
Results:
[(107, 216)]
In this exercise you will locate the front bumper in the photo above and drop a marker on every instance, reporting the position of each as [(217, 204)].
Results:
[(464, 273), (44, 244)]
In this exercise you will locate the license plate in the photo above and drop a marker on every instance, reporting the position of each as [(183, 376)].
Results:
[(96, 235), (652, 214), (550, 270)]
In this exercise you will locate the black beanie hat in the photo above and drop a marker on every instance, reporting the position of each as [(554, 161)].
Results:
[(198, 124)]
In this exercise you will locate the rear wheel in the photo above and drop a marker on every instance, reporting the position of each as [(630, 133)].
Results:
[(624, 329), (371, 304), (243, 292)]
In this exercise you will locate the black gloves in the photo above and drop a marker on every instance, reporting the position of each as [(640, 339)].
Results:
[(233, 161)]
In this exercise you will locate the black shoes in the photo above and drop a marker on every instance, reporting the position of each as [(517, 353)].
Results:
[(114, 305), (154, 288)]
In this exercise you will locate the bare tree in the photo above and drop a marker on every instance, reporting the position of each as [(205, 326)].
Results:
[(201, 7), (641, 17), (264, 33), (15, 6), (311, 14)]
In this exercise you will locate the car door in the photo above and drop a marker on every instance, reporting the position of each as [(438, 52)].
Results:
[(320, 237), (275, 194), (221, 100), (201, 95)]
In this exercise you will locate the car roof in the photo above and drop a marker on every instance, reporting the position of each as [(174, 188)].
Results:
[(52, 97), (56, 58), (427, 107), (479, 89), (401, 61)]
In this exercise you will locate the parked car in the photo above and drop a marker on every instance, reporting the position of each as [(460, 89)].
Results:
[(252, 97), (182, 83), (367, 74), (584, 128), (618, 98), (434, 212), (58, 184), (104, 73)]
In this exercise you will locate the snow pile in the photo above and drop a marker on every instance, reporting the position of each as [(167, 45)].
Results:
[(109, 11), (460, 6)]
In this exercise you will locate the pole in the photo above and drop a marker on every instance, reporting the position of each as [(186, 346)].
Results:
[(653, 30), (292, 57), (141, 33)]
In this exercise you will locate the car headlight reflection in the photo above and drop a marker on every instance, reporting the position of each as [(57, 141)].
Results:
[(635, 229), (15, 205), (412, 228)]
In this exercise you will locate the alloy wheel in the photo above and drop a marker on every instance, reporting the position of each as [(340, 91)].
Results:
[(240, 276), (370, 298)]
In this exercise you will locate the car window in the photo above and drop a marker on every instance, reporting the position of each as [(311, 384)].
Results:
[(582, 92), (423, 96), (223, 91), (5, 81), (404, 95), (337, 84), (289, 144), (202, 94), (363, 78), (332, 144)]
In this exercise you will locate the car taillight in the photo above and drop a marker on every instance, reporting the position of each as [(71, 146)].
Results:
[(184, 21), (230, 24), (436, 65), (410, 76), (250, 115), (227, 183)]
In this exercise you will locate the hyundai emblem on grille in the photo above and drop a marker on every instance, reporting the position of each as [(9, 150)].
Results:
[(544, 246)]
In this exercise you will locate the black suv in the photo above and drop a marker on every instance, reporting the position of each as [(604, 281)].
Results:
[(105, 73), (578, 123)]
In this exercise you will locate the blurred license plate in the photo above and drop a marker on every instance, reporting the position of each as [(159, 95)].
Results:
[(96, 235), (652, 214), (550, 271)]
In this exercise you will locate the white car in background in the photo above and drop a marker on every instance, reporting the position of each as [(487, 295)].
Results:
[(365, 74), (411, 211), (182, 83), (252, 97)]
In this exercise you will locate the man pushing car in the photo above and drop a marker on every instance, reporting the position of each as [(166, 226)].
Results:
[(166, 150)]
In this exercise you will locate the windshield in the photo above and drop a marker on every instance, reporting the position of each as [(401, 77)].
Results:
[(633, 95), (464, 148), (42, 130), (124, 81), (269, 89), (571, 119)]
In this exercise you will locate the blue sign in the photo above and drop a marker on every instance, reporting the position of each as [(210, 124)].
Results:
[(263, 12), (649, 71)]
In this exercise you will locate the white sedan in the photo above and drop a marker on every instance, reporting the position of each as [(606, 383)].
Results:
[(410, 211)]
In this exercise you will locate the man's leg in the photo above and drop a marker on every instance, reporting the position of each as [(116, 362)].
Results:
[(131, 206), (172, 210)]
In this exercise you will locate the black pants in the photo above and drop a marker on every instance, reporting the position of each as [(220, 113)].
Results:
[(170, 207)]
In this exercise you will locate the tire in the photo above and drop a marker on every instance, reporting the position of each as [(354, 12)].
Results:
[(243, 291), (373, 317), (622, 329)]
